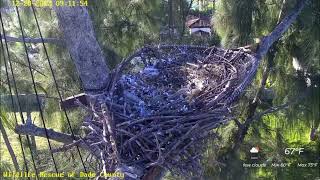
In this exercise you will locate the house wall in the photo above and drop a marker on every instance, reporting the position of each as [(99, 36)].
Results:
[(193, 30)]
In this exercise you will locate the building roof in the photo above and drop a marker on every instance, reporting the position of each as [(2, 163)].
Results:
[(199, 22)]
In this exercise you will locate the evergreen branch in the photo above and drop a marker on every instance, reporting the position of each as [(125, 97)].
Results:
[(270, 110), (33, 68)]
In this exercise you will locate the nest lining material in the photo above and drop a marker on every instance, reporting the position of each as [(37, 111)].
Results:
[(162, 104)]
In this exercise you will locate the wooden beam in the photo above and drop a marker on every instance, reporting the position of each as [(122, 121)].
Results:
[(74, 101)]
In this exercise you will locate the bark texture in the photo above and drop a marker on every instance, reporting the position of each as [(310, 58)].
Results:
[(83, 46)]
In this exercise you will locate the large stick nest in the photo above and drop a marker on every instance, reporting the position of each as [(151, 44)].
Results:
[(162, 103)]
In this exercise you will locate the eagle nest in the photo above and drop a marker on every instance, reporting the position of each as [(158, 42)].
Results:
[(161, 105)]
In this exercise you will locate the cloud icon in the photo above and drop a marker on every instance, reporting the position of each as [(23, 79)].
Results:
[(254, 150)]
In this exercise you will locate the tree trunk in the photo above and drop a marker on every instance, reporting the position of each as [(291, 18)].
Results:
[(9, 147), (184, 13), (83, 46)]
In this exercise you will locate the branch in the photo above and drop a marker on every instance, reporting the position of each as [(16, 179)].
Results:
[(33, 68), (282, 27), (265, 45), (31, 129), (34, 40), (67, 146), (271, 110), (67, 139), (274, 109), (243, 129)]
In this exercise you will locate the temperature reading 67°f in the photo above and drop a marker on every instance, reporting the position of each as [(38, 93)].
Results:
[(289, 151)]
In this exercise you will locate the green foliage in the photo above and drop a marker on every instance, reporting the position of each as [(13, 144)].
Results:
[(5, 118), (124, 26), (233, 21), (287, 128)]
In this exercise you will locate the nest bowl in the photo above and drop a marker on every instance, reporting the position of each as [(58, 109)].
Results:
[(163, 102)]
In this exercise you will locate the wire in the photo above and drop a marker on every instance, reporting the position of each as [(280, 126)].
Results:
[(17, 96), (12, 104), (56, 84), (35, 90)]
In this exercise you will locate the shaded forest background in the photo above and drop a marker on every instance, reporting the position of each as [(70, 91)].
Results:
[(291, 71)]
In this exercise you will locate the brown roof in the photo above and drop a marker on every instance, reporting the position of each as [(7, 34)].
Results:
[(199, 22), (192, 21)]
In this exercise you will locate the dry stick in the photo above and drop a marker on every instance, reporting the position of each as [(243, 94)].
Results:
[(108, 127), (160, 158), (146, 119), (131, 134), (181, 140)]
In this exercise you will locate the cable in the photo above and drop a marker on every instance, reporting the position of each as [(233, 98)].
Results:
[(56, 83), (35, 90), (17, 96), (12, 105)]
